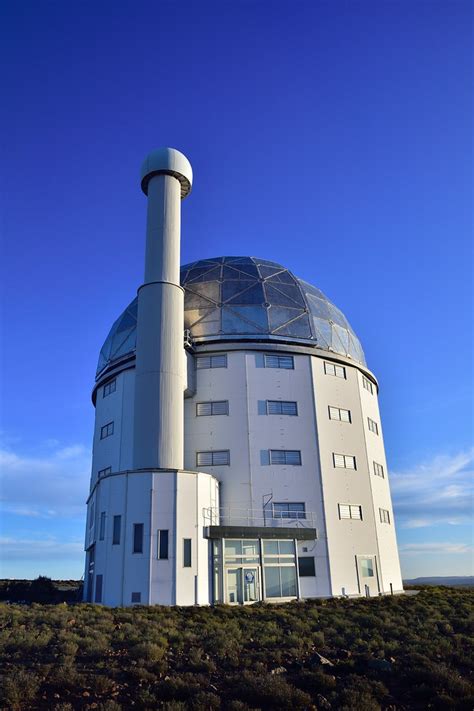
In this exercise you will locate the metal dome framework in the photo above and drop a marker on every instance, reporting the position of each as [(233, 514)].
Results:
[(246, 298)]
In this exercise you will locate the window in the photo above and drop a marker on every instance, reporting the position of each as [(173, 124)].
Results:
[(162, 545), (98, 588), (116, 530), (281, 407), (289, 510), (110, 387), (384, 516), (285, 456), (91, 514), (213, 459), (186, 552), (136, 597), (211, 361), (102, 526), (306, 567), (350, 511), (378, 470), (332, 369), (337, 413), (218, 407), (367, 385), (107, 430), (279, 568), (366, 567), (279, 361), (242, 552), (344, 461), (104, 472), (138, 537), (373, 426)]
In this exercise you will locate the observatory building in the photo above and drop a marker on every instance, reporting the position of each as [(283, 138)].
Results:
[(238, 451)]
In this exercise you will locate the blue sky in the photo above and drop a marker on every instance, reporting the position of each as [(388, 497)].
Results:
[(332, 137)]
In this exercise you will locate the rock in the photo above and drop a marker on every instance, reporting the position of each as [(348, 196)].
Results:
[(85, 693), (323, 703), (320, 660), (380, 664), (344, 653), (278, 670)]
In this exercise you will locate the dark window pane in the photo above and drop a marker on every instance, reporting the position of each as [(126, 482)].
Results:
[(98, 588), (116, 531), (306, 567), (163, 545), (187, 552), (138, 537)]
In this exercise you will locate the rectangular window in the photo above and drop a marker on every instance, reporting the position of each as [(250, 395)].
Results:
[(162, 545), (186, 552), (332, 369), (306, 567), (350, 511), (384, 516), (289, 510), (110, 387), (213, 459), (138, 537), (279, 361), (211, 361), (107, 430), (136, 597), (366, 567), (378, 470), (217, 407), (281, 407), (373, 426), (116, 530), (337, 413), (285, 456), (91, 514), (104, 472), (102, 526), (98, 588), (367, 385), (344, 461)]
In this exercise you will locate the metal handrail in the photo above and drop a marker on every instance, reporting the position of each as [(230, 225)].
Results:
[(232, 516)]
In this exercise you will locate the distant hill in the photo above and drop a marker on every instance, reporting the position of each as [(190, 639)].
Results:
[(464, 580)]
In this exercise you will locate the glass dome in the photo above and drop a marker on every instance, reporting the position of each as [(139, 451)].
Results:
[(236, 298)]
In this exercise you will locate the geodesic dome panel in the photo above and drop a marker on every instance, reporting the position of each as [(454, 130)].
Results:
[(245, 297)]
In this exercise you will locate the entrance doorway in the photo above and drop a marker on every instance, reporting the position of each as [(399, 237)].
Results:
[(242, 585)]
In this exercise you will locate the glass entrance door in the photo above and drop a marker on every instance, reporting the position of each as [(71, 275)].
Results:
[(242, 585)]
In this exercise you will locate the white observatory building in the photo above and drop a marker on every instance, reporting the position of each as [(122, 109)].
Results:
[(238, 450)]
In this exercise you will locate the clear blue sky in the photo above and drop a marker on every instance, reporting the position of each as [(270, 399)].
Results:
[(332, 137)]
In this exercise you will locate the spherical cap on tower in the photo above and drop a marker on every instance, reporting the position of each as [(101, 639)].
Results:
[(167, 161)]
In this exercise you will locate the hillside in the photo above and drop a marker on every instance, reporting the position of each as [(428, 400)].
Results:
[(403, 652)]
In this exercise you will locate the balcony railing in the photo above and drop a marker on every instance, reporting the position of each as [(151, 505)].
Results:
[(229, 516)]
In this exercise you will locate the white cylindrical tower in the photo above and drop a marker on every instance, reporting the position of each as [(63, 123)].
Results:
[(159, 376)]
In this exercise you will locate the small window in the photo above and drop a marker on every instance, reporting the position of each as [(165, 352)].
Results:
[(104, 472), (138, 537), (373, 426), (285, 456), (98, 588), (102, 526), (306, 567), (344, 461), (289, 510), (384, 516), (281, 407), (367, 385), (187, 552), (110, 387), (213, 459), (107, 430), (136, 597), (217, 407), (91, 514), (378, 470), (211, 361), (163, 545), (366, 567), (116, 530), (338, 413), (337, 370), (350, 511), (279, 361)]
